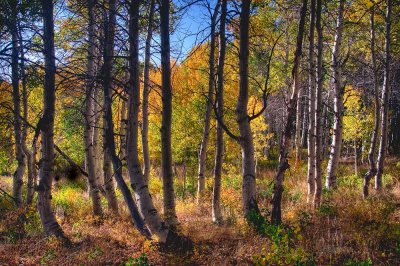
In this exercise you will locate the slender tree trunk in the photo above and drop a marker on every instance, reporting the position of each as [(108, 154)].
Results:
[(46, 126), (374, 137), (299, 124), (243, 119), (337, 103), (311, 123), (30, 155), (123, 123), (19, 152), (318, 110), (108, 54), (138, 183), (209, 103), (384, 101), (89, 115), (219, 145), (166, 151), (276, 214), (355, 157), (304, 131), (146, 92)]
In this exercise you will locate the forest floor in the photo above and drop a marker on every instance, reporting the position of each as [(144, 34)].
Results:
[(345, 230)]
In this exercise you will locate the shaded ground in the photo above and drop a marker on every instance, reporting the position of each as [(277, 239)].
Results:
[(346, 230)]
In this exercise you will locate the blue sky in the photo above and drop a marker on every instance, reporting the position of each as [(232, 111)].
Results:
[(192, 28)]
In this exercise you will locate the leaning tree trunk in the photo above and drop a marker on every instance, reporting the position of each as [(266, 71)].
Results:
[(374, 137), (219, 145), (108, 53), (46, 127), (209, 103), (384, 101), (243, 119), (276, 214), (19, 152), (90, 116), (138, 182), (166, 151), (146, 92), (338, 108), (318, 111), (311, 123)]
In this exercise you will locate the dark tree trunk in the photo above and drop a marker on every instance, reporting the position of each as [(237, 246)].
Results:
[(46, 127), (311, 123), (219, 145), (19, 152), (146, 92), (30, 154), (209, 103), (318, 110), (276, 214), (138, 182), (108, 55), (243, 119), (93, 179), (166, 151), (374, 137)]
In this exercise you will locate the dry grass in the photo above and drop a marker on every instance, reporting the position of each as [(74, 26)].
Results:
[(346, 230)]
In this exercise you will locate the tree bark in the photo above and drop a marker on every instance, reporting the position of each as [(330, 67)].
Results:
[(46, 127), (355, 157), (146, 92), (276, 214), (219, 145), (19, 152), (30, 154), (384, 101), (138, 182), (304, 131), (90, 115), (299, 124), (123, 123), (243, 119), (311, 123), (166, 150), (374, 137), (318, 110), (338, 108), (108, 54), (209, 103)]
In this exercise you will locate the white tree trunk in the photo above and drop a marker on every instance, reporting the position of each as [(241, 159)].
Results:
[(384, 101), (311, 123), (338, 108)]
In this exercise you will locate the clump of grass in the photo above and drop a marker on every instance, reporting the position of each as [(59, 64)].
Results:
[(142, 260), (68, 200)]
